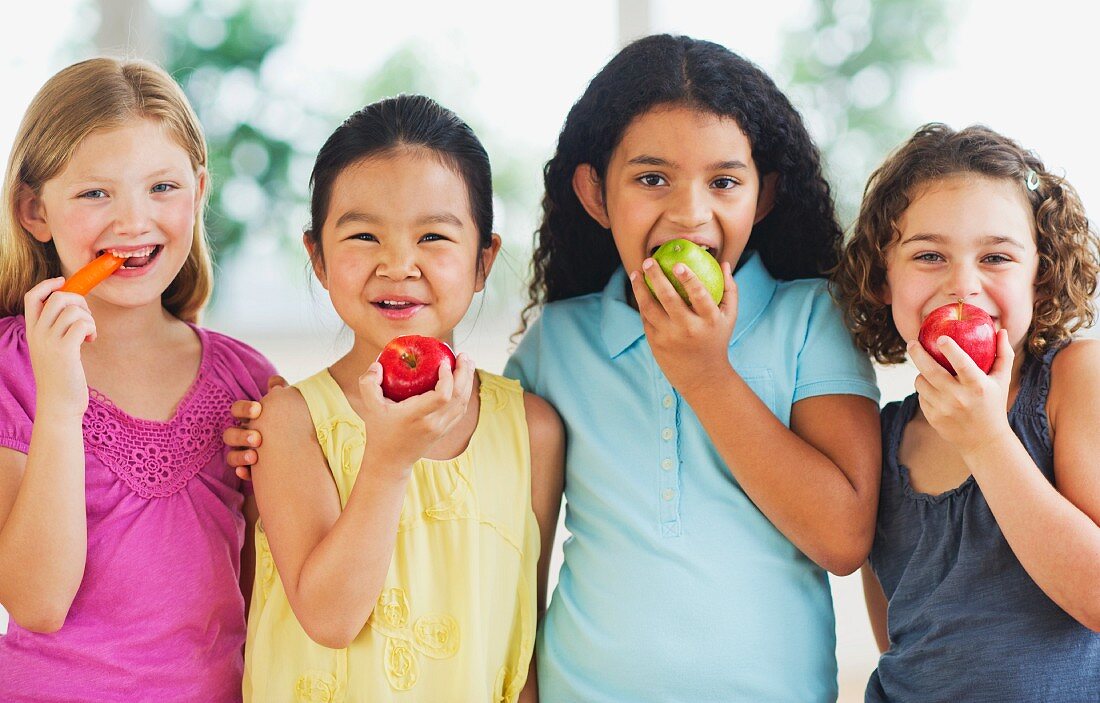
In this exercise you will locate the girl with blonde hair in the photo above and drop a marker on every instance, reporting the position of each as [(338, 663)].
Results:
[(121, 526)]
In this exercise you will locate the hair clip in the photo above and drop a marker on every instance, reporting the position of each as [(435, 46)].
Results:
[(1032, 180)]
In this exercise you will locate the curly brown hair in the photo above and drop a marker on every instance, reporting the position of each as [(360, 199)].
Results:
[(1068, 248)]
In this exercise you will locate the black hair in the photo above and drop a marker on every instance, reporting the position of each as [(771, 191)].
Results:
[(799, 238), (406, 121)]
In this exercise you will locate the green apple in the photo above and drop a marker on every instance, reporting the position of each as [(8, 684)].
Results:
[(696, 258)]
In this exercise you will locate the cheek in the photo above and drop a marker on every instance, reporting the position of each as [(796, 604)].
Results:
[(180, 218)]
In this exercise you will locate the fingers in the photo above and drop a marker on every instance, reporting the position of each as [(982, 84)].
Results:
[(274, 382), (370, 385), (444, 386), (728, 306), (241, 438), (35, 298), (648, 305), (242, 460), (464, 377), (698, 296), (245, 410), (928, 367), (1002, 365), (965, 368)]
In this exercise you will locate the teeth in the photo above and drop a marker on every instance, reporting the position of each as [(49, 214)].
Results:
[(395, 302), (127, 254)]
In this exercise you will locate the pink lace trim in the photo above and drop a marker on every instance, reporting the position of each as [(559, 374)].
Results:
[(156, 459)]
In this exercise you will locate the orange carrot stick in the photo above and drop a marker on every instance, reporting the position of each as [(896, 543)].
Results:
[(93, 274)]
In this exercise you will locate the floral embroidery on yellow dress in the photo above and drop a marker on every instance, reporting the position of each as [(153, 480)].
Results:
[(456, 616)]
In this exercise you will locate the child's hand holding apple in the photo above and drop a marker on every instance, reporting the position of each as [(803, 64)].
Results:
[(688, 333), (964, 404), (401, 431)]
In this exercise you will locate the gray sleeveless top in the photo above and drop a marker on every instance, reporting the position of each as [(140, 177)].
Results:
[(966, 622)]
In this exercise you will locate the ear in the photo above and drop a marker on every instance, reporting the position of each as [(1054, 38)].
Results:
[(765, 199), (487, 255), (31, 212), (589, 190), (200, 187), (316, 259)]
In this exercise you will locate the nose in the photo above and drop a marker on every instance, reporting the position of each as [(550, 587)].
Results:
[(398, 262), (964, 282), (133, 215), (690, 207)]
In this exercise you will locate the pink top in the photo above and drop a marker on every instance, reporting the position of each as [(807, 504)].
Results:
[(159, 615)]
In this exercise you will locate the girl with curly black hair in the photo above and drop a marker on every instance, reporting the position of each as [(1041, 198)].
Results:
[(721, 456)]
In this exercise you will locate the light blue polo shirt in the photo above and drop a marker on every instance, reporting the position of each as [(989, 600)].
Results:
[(675, 587)]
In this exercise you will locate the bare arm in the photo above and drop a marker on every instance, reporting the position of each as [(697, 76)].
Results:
[(333, 563), (875, 599), (817, 481), (547, 482), (1055, 532), (43, 518)]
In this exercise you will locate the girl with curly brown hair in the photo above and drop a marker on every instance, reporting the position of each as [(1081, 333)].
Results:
[(987, 549)]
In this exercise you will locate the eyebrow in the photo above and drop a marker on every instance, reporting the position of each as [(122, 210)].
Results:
[(647, 160), (989, 240), (108, 179), (438, 218)]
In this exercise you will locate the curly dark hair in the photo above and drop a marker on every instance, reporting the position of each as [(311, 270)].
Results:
[(799, 238), (1069, 249)]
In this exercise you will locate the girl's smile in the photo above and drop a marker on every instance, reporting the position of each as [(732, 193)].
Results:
[(132, 191), (968, 238), (400, 247)]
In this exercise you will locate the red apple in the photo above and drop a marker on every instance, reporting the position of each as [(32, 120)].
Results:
[(410, 365), (970, 326)]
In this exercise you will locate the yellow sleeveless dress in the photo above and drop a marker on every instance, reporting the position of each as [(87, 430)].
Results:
[(456, 617)]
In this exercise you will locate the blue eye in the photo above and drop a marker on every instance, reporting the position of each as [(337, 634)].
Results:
[(95, 194), (928, 257), (997, 259), (163, 187)]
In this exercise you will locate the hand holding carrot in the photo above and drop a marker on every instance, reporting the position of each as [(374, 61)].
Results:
[(58, 323)]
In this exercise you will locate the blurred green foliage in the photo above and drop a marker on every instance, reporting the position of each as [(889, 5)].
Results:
[(219, 60), (845, 70)]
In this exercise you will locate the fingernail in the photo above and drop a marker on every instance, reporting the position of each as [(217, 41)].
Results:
[(253, 438), (647, 264), (679, 269), (633, 276)]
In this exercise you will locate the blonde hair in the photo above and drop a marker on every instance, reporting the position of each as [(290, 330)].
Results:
[(97, 94), (1068, 247)]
